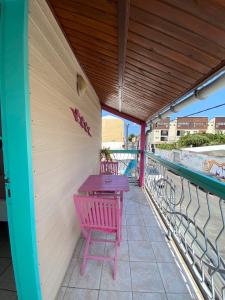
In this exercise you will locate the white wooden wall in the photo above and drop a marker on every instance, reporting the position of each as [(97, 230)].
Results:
[(63, 153)]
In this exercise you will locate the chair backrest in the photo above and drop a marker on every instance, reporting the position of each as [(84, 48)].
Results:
[(98, 213), (109, 167)]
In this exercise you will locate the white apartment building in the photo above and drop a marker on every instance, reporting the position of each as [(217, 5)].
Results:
[(166, 131), (216, 125)]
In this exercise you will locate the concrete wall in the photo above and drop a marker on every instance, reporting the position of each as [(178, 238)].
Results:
[(63, 153), (112, 129)]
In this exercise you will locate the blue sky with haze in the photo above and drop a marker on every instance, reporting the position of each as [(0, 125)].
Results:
[(215, 99)]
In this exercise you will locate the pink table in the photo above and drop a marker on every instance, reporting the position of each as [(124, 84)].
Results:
[(103, 183)]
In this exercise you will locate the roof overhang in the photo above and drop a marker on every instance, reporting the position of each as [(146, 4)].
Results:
[(140, 55)]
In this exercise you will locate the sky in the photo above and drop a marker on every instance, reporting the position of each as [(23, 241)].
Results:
[(216, 98)]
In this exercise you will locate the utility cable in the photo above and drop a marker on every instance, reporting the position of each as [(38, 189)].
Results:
[(200, 111)]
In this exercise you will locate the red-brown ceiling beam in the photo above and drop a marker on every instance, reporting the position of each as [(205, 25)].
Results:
[(123, 23), (122, 115)]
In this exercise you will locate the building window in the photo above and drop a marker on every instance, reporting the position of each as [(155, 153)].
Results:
[(220, 124), (164, 139), (192, 124), (180, 133), (164, 132)]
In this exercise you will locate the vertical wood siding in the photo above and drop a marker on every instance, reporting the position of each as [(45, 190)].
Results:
[(63, 153)]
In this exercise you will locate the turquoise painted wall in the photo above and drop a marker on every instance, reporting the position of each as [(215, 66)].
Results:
[(15, 109)]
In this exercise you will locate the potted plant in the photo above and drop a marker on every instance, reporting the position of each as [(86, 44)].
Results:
[(105, 154)]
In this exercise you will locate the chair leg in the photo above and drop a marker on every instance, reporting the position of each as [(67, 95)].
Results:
[(119, 233), (84, 233), (121, 202), (115, 262), (86, 249)]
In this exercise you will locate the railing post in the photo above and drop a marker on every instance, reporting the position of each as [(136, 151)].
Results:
[(142, 155)]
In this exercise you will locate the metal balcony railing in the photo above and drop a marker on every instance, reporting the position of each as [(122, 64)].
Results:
[(128, 162), (192, 207)]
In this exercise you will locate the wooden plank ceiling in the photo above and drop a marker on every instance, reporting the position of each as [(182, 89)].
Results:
[(156, 53)]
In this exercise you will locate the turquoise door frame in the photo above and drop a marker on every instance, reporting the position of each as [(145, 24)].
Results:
[(16, 134)]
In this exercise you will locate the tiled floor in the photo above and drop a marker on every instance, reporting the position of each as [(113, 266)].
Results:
[(148, 269), (7, 283)]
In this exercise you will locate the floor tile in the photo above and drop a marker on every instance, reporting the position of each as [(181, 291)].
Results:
[(123, 279), (179, 297), (80, 294), (7, 280), (112, 295), (98, 235), (61, 293), (137, 233), (133, 204), (124, 219), (8, 295), (149, 296), (150, 220), (91, 278), (123, 253), (156, 234), (168, 271), (140, 197), (79, 245), (141, 251), (146, 277), (146, 210), (97, 249), (134, 220), (69, 272), (132, 210), (162, 252), (124, 233)]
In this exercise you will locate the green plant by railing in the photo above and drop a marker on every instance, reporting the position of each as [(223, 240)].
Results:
[(166, 146), (201, 139), (105, 154), (195, 140)]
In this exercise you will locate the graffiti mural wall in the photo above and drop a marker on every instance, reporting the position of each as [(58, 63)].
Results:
[(208, 164)]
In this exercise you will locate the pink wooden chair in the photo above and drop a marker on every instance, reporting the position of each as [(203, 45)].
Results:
[(113, 195), (109, 167), (98, 214)]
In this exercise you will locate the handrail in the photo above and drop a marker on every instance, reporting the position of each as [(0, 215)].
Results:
[(200, 179), (125, 151)]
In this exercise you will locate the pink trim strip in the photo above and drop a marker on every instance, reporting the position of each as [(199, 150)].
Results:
[(122, 115), (142, 157)]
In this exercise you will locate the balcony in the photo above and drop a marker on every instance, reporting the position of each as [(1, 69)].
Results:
[(173, 237), (61, 64), (148, 265)]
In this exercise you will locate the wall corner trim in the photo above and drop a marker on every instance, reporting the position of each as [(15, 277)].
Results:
[(16, 131)]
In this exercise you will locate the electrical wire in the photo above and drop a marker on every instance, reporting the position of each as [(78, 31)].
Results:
[(200, 111)]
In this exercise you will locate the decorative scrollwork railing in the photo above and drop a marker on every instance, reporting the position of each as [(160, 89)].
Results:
[(192, 206)]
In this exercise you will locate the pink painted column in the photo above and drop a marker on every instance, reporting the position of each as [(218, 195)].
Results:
[(142, 155)]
